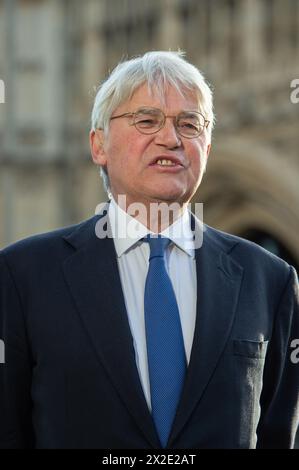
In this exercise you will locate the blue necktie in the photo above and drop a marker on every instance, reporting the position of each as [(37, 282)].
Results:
[(165, 344)]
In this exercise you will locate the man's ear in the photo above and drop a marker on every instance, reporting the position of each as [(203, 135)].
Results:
[(96, 142), (206, 160), (208, 150)]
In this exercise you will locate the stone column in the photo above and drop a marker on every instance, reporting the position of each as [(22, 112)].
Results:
[(252, 43), (170, 34)]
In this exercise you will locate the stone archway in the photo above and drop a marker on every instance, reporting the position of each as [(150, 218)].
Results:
[(250, 186)]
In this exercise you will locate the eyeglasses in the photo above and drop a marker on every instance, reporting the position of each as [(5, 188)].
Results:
[(189, 124)]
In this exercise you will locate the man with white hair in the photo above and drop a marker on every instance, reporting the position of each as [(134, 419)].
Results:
[(142, 328)]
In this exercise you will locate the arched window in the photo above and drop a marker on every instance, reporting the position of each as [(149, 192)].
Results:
[(270, 243)]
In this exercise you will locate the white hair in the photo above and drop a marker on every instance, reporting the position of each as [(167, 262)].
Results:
[(158, 69)]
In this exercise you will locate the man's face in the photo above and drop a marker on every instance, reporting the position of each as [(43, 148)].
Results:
[(131, 157)]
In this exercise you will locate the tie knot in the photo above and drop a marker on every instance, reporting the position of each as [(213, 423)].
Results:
[(157, 244)]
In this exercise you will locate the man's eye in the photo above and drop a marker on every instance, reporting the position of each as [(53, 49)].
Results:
[(146, 121), (188, 125)]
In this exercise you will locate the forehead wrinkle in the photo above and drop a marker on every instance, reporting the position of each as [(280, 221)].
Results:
[(160, 95), (158, 90)]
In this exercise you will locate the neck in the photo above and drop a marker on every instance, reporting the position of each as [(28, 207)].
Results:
[(155, 215)]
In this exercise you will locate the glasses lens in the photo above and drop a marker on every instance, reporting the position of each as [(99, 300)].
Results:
[(148, 120), (190, 124)]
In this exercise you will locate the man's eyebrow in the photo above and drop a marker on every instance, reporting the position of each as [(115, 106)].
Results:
[(189, 111), (148, 109), (153, 110)]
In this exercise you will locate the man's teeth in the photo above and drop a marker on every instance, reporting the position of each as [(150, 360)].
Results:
[(165, 162)]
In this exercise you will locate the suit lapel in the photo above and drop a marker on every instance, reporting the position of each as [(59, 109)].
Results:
[(93, 279), (218, 284)]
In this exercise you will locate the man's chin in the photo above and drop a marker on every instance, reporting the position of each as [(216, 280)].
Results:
[(167, 193), (167, 196)]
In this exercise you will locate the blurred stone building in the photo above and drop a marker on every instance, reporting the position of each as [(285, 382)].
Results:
[(53, 53)]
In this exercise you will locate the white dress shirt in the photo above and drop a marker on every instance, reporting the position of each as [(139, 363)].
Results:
[(133, 261)]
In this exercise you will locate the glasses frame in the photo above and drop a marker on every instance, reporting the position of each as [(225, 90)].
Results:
[(175, 118)]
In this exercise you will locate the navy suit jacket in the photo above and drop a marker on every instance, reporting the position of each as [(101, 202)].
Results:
[(70, 378)]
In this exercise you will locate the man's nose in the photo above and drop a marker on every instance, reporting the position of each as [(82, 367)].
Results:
[(168, 135)]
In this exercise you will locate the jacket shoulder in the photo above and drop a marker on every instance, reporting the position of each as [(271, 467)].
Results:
[(45, 243), (247, 252)]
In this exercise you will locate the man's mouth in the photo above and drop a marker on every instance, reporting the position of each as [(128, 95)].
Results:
[(167, 162)]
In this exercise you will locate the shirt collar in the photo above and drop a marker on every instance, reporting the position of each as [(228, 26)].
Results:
[(127, 230)]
